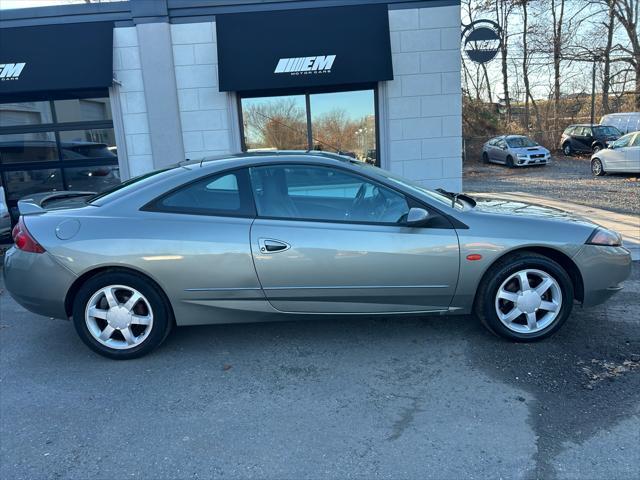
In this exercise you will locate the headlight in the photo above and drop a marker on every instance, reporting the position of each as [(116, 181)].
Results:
[(523, 155), (602, 236)]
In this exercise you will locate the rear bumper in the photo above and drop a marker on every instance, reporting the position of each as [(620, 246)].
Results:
[(603, 271), (37, 282)]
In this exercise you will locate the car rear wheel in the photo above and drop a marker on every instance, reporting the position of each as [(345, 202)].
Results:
[(525, 297), (510, 161), (596, 167), (485, 157), (121, 315), (566, 149)]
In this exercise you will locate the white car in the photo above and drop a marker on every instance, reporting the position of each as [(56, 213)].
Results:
[(5, 218), (623, 156)]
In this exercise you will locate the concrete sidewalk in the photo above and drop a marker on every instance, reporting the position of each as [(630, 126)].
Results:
[(627, 225)]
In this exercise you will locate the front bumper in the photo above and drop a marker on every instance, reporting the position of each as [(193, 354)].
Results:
[(37, 282), (523, 162), (603, 271)]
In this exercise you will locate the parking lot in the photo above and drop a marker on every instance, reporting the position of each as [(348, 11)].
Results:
[(566, 178), (429, 397)]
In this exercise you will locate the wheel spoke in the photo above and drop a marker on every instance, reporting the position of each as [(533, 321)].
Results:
[(512, 315), (509, 296), (549, 306), (111, 298), (141, 319), (544, 286), (128, 336), (524, 281), (97, 313), (135, 298), (106, 333), (532, 321)]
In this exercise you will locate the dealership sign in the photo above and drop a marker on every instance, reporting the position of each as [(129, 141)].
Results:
[(304, 65), (303, 48), (481, 40), (11, 71)]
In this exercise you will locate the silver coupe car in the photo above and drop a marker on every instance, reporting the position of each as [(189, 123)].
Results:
[(255, 237), (515, 151)]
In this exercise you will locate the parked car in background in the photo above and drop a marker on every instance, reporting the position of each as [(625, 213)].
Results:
[(515, 151), (5, 217), (587, 138), (622, 156), (625, 122), (256, 236)]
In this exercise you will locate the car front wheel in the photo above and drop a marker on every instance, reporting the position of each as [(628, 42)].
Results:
[(121, 315), (566, 149), (525, 297), (596, 167)]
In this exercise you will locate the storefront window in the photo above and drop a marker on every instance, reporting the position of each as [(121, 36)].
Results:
[(25, 113), (275, 123), (25, 182), (28, 147), (92, 179), (345, 122), (83, 109), (57, 145), (95, 143), (340, 122)]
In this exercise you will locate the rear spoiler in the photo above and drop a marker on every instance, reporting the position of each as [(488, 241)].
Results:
[(35, 203)]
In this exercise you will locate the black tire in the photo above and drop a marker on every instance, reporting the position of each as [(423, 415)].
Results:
[(596, 148), (597, 168), (510, 161), (485, 157), (566, 149), (161, 309), (485, 307)]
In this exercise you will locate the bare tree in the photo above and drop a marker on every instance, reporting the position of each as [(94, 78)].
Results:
[(626, 12)]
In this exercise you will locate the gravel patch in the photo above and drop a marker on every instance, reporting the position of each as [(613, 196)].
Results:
[(566, 178)]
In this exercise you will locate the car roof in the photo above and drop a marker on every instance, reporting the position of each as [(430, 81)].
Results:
[(266, 156)]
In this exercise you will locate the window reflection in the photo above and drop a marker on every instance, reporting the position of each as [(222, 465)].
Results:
[(275, 123), (25, 182), (92, 179), (28, 147), (83, 109), (344, 122), (25, 113), (82, 144), (341, 122)]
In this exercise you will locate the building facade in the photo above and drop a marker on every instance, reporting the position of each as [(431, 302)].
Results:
[(94, 94)]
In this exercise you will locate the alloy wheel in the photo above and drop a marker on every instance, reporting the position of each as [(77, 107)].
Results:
[(119, 317), (566, 149), (596, 167), (528, 301)]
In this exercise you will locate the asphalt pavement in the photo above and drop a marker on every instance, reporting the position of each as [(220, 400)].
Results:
[(430, 397)]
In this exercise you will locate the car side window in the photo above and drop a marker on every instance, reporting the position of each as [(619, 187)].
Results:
[(501, 144), (569, 130), (636, 142), (225, 194), (306, 192)]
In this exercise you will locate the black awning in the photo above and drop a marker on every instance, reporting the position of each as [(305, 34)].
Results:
[(47, 61), (303, 48)]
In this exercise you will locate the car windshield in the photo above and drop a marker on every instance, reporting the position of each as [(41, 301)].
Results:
[(520, 142), (607, 130), (134, 182), (409, 185)]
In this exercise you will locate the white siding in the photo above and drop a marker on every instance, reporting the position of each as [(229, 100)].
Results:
[(127, 70), (424, 101), (204, 110)]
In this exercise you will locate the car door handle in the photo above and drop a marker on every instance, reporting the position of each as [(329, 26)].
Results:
[(269, 245)]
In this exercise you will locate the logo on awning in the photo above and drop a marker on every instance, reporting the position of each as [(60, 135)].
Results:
[(11, 71), (305, 65)]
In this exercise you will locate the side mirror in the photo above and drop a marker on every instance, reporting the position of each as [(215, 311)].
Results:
[(417, 217)]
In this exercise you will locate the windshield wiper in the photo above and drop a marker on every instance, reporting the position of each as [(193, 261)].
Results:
[(455, 196)]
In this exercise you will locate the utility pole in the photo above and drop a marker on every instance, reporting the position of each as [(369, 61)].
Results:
[(593, 89)]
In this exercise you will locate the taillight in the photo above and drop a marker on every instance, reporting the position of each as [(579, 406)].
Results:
[(23, 239)]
